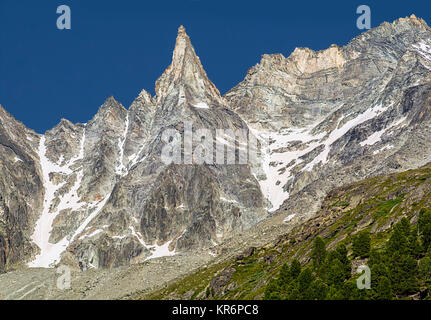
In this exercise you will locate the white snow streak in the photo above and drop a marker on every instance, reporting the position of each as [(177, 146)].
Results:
[(96, 208), (201, 105), (121, 169), (337, 133), (228, 200), (272, 190), (156, 250), (161, 251), (384, 148), (424, 49), (376, 136), (42, 232), (50, 253), (288, 218), (275, 163), (91, 234)]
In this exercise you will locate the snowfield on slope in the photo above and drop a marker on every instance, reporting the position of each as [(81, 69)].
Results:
[(50, 253), (277, 164)]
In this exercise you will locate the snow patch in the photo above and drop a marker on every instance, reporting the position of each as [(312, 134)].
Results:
[(120, 237), (161, 251), (276, 161), (91, 234), (228, 200), (201, 105), (156, 250), (288, 218), (376, 136), (384, 148), (212, 254), (272, 186), (50, 253), (95, 210), (121, 168), (138, 236), (337, 133), (424, 49)]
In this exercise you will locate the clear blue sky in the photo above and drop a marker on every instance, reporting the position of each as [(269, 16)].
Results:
[(120, 47)]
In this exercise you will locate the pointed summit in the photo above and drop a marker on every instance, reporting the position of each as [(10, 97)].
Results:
[(415, 21), (184, 53), (183, 46), (146, 97), (111, 108), (185, 73), (111, 103), (182, 31), (143, 102), (111, 100), (410, 23)]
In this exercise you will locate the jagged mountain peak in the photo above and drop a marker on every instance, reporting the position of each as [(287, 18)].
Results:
[(325, 113), (306, 60), (64, 127), (8, 122), (183, 47), (144, 98), (5, 114), (410, 24), (110, 106), (186, 73), (111, 116), (301, 61), (63, 124), (111, 102), (402, 30), (412, 20), (182, 34)]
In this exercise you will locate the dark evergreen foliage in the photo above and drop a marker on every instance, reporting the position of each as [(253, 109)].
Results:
[(398, 270)]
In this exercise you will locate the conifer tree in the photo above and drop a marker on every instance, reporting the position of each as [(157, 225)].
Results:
[(426, 236), (304, 280), (384, 290), (295, 269), (361, 245), (319, 253), (335, 273)]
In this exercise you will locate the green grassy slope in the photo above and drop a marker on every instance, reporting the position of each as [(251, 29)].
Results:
[(373, 205)]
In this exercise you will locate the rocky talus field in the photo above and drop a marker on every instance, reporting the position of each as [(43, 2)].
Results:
[(337, 131)]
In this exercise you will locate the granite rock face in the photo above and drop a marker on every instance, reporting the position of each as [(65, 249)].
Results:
[(109, 198), (101, 194), (163, 208), (21, 191), (340, 114)]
